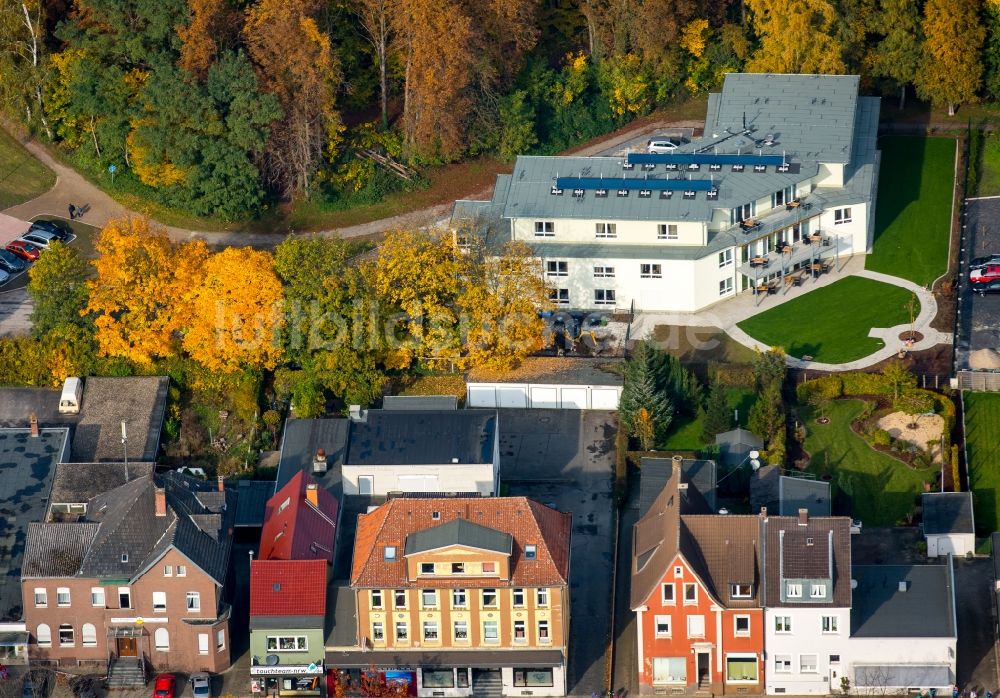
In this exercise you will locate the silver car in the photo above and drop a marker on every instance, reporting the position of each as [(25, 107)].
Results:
[(201, 685)]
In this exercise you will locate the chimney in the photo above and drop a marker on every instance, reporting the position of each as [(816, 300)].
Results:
[(677, 462), (160, 499), (34, 426), (221, 483), (763, 512), (803, 517), (319, 461), (904, 585), (354, 411), (312, 495)]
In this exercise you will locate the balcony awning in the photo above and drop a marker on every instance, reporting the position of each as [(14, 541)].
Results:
[(13, 638)]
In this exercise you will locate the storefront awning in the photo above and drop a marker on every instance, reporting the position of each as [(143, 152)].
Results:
[(476, 659), (902, 675), (13, 639)]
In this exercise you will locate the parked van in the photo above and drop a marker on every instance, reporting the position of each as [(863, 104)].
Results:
[(72, 396)]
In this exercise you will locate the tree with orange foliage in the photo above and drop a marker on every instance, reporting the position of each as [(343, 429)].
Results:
[(135, 294), (235, 315), (209, 20)]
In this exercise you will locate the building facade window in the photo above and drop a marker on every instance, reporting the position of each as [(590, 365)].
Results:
[(159, 602), (399, 598), (520, 633), (43, 635), (181, 570), (161, 640), (817, 591), (459, 599), (690, 593), (41, 598), (604, 272), (604, 296), (124, 597), (62, 597), (488, 567), (517, 596), (530, 551), (426, 568), (725, 286), (489, 598), (287, 643), (491, 632), (741, 668), (168, 570), (782, 624), (696, 626), (430, 631), (543, 632), (556, 268), (545, 229), (542, 597), (97, 597), (193, 601), (458, 568), (389, 553), (67, 638), (807, 663), (793, 590), (428, 598), (668, 670), (202, 643), (533, 678), (402, 632), (783, 663), (650, 271), (606, 230), (725, 258), (831, 624), (842, 215), (740, 591), (437, 678), (559, 296), (220, 640), (666, 231), (378, 632), (667, 594), (88, 635), (376, 596), (461, 631), (662, 626), (741, 626)]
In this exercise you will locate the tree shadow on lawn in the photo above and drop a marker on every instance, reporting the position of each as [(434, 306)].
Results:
[(898, 187), (800, 349)]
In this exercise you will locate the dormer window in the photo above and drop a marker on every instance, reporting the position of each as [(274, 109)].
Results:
[(740, 591), (818, 591), (458, 568), (426, 568), (435, 515), (530, 552), (284, 504), (389, 554), (124, 558), (793, 591), (489, 568)]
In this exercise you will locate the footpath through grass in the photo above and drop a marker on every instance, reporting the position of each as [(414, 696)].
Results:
[(867, 485), (22, 177), (913, 212), (831, 324), (982, 441)]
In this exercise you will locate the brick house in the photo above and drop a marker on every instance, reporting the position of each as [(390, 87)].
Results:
[(696, 581), (135, 583)]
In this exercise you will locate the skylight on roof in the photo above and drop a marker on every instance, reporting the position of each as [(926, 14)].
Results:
[(389, 554)]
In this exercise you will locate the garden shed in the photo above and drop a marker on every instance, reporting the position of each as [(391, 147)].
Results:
[(948, 523)]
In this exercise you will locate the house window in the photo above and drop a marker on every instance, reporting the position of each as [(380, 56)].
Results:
[(725, 286), (725, 258), (438, 678), (543, 632), (559, 296), (678, 571), (193, 601), (376, 598), (430, 630), (160, 601), (650, 271), (220, 640), (168, 570), (287, 643), (741, 626), (662, 626), (399, 598), (696, 626), (834, 659), (530, 552), (202, 643), (461, 631), (491, 632), (428, 598), (62, 597), (489, 598), (378, 632), (740, 591), (97, 597), (43, 635), (741, 668), (389, 554), (542, 597), (793, 591), (402, 632), (67, 637), (545, 229), (41, 598), (781, 197), (161, 640), (463, 677), (458, 568), (124, 597), (667, 594), (284, 504), (783, 663), (842, 215), (490, 567), (807, 663), (533, 678), (182, 570), (520, 634), (607, 230), (88, 634), (604, 296), (817, 591), (426, 568), (782, 624), (831, 624), (604, 272), (741, 213), (690, 593), (669, 670), (554, 268), (458, 598), (666, 231), (518, 597)]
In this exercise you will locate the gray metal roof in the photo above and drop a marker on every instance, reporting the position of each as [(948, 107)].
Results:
[(300, 441), (420, 402), (78, 483), (417, 437), (698, 474), (139, 400), (251, 501), (56, 549), (459, 532), (18, 404), (735, 444), (947, 512), (879, 677), (796, 493), (925, 609)]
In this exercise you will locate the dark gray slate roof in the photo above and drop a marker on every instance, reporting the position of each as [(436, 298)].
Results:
[(796, 493), (252, 501), (947, 512), (78, 483), (300, 441), (139, 400), (925, 609), (416, 437), (459, 532), (420, 402), (56, 549), (699, 474), (878, 677), (18, 404), (734, 445)]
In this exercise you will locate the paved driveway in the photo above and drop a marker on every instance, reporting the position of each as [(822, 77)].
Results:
[(564, 458), (977, 665)]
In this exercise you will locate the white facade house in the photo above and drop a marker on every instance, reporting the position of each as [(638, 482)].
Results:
[(569, 384), (784, 178), (948, 523)]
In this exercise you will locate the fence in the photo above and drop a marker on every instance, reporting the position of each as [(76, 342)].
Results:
[(980, 381)]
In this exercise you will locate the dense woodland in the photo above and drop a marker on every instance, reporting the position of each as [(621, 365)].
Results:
[(224, 107)]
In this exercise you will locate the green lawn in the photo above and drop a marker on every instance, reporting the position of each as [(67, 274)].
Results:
[(22, 177), (913, 213), (982, 441), (831, 324), (685, 435), (867, 485), (989, 167)]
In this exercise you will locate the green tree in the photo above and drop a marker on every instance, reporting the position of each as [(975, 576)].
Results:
[(951, 68), (718, 417), (897, 54), (914, 403), (767, 416), (991, 48), (640, 391), (899, 378), (769, 368), (58, 289), (796, 36)]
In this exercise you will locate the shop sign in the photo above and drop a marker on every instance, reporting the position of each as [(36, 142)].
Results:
[(285, 669)]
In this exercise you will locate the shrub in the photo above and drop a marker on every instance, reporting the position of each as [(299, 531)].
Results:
[(955, 475), (828, 387), (732, 375), (860, 383), (881, 437)]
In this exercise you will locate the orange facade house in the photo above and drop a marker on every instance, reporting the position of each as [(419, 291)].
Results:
[(696, 581)]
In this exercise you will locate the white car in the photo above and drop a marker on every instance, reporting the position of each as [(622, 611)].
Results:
[(39, 239), (662, 145), (201, 685)]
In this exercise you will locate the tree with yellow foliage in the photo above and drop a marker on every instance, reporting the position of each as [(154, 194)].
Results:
[(236, 313), (135, 294), (951, 70), (796, 36)]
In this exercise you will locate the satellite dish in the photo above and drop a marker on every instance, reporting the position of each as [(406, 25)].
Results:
[(723, 511), (754, 455), (755, 464), (271, 659)]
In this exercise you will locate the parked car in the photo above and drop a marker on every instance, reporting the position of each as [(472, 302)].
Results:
[(201, 685), (4, 277), (987, 273), (39, 239), (164, 686), (10, 262), (662, 145), (24, 249), (61, 231), (987, 287)]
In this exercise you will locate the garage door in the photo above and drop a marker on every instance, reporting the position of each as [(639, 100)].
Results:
[(544, 397), (513, 396), (574, 398), (604, 399), (482, 397), (417, 483), (946, 545)]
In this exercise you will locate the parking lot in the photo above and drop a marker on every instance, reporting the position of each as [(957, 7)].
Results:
[(979, 319), (565, 458), (638, 144)]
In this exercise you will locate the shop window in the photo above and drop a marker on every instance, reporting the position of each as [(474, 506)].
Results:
[(741, 669), (438, 678), (528, 678), (669, 670)]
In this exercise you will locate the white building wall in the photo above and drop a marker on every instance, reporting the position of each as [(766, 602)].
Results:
[(558, 687), (629, 232), (900, 650), (953, 543), (449, 477), (807, 638), (852, 237), (830, 175)]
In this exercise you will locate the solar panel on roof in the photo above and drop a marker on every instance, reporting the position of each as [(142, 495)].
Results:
[(625, 184)]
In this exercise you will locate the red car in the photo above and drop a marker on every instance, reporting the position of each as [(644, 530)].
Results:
[(987, 273), (164, 686), (24, 250)]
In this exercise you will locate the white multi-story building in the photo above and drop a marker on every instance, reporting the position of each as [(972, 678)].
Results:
[(783, 178)]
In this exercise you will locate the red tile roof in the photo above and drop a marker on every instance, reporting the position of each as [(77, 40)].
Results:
[(295, 528), (288, 587), (530, 523)]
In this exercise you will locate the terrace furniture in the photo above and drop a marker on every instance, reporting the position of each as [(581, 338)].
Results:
[(794, 203), (787, 249), (758, 261)]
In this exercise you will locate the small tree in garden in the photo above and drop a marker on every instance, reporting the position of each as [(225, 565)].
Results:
[(820, 402), (914, 403), (899, 378), (717, 415), (272, 420), (644, 429)]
